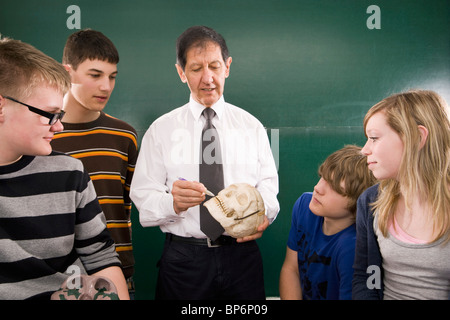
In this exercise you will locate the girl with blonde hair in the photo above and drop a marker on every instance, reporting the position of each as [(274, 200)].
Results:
[(403, 223)]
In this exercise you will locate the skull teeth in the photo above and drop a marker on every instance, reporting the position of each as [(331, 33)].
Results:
[(223, 207)]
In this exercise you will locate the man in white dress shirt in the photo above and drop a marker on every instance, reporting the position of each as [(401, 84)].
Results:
[(193, 266)]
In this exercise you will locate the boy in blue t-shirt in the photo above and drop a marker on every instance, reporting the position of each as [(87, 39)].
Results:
[(321, 244)]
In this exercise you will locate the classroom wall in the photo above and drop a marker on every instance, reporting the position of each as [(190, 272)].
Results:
[(308, 69)]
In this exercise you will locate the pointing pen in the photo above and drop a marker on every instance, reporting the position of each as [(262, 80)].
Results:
[(209, 193)]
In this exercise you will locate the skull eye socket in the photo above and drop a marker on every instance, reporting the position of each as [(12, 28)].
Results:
[(102, 284), (242, 199), (229, 194)]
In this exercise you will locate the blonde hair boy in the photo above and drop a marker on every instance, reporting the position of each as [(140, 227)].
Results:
[(321, 243), (50, 218)]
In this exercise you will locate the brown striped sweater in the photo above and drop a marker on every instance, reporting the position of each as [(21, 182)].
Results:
[(108, 149)]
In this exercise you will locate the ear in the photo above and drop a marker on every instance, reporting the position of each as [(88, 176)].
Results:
[(423, 135), (227, 65), (181, 73), (69, 69), (2, 107)]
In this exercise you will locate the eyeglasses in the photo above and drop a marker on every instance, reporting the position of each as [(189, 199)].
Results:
[(53, 117)]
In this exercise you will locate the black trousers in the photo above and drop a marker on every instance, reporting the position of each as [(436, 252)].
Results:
[(197, 272)]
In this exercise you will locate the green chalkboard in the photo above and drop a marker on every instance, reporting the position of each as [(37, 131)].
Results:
[(308, 69)]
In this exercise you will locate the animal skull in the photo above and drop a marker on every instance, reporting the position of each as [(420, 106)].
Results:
[(239, 208), (90, 288)]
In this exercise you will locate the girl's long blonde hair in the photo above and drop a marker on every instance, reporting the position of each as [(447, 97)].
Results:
[(424, 171)]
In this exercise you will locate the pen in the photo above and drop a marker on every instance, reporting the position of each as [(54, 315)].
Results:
[(209, 193)]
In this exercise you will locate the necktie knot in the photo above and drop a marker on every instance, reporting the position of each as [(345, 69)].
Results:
[(208, 113)]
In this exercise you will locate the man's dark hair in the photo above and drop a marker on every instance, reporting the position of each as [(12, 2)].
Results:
[(198, 36), (89, 44)]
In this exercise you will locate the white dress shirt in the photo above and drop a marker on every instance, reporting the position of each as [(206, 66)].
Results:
[(170, 150)]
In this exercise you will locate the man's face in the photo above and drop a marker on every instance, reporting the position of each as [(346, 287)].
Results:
[(205, 73), (93, 83), (27, 133)]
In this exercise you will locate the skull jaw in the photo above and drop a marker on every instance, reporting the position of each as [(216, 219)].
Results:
[(241, 230)]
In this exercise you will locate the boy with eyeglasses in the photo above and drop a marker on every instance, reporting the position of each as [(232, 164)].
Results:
[(107, 146), (50, 218)]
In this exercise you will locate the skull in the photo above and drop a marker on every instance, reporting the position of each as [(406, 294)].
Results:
[(239, 208), (90, 288)]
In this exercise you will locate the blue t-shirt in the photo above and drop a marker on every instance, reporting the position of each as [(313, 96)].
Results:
[(324, 262)]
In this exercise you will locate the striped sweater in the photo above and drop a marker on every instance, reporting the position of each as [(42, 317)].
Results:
[(108, 149), (50, 219)]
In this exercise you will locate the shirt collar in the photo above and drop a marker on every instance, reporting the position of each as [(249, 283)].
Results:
[(197, 108)]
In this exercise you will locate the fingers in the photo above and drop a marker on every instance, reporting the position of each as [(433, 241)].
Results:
[(187, 194), (263, 226)]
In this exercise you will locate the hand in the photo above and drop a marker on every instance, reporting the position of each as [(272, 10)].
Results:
[(187, 194), (263, 226)]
